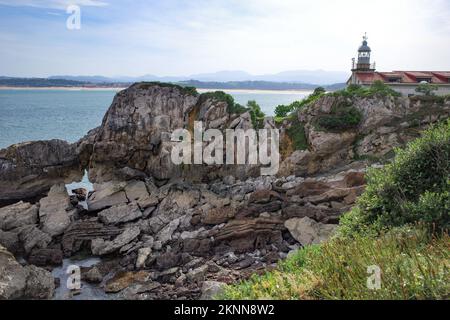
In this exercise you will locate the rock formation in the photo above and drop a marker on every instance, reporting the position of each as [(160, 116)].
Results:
[(166, 231)]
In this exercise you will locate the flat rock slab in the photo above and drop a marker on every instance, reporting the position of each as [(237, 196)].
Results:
[(55, 211), (120, 214), (18, 215), (307, 231)]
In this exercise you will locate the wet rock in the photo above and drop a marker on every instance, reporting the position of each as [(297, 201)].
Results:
[(101, 247), (306, 231), (55, 211), (212, 289), (93, 275), (80, 193), (120, 214), (46, 257), (18, 215)]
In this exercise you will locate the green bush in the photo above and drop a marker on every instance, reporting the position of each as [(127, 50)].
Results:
[(378, 88), (413, 188), (413, 265), (342, 117), (296, 133), (427, 89), (185, 90), (233, 108), (283, 111), (256, 114)]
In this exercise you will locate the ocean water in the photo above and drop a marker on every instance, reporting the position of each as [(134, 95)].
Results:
[(35, 114)]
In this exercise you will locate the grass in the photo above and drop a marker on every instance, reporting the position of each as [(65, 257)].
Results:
[(413, 265)]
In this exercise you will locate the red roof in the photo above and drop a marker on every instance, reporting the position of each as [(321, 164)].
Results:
[(437, 77)]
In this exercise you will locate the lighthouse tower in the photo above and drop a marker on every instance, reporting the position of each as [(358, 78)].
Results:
[(363, 65)]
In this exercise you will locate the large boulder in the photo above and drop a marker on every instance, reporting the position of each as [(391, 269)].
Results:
[(307, 231), (55, 211), (28, 170), (17, 282), (18, 215)]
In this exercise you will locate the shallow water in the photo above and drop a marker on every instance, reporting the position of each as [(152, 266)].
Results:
[(87, 292)]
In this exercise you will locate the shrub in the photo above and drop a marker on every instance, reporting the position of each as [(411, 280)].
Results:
[(427, 89), (284, 110), (185, 90), (256, 114), (378, 88), (233, 108), (413, 188), (296, 133), (342, 117), (413, 265)]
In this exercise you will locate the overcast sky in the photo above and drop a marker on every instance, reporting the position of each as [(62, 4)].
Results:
[(171, 37)]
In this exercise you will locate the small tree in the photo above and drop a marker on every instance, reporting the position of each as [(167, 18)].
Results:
[(427, 89), (283, 110)]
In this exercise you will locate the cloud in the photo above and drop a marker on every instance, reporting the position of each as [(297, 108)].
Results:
[(53, 4)]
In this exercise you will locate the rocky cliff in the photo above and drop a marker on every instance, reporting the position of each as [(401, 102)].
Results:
[(165, 231), (384, 123)]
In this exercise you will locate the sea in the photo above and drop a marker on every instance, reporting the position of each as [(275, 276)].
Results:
[(68, 114)]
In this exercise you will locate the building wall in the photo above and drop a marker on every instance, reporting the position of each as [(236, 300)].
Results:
[(407, 89)]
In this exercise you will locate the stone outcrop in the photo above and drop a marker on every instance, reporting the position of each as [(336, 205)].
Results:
[(55, 211), (307, 231), (387, 122), (17, 282), (28, 170)]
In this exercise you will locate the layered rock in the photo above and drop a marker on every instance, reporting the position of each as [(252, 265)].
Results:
[(28, 170), (386, 123)]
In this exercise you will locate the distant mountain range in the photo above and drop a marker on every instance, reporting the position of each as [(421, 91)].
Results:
[(317, 77), (289, 80)]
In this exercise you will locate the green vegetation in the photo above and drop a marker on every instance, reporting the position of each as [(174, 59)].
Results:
[(427, 89), (343, 116), (413, 266), (378, 88), (233, 107), (256, 114), (185, 90), (414, 187), (296, 133), (282, 111), (400, 224)]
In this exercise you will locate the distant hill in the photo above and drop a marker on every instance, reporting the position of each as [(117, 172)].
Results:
[(39, 82), (96, 81), (319, 77), (257, 85)]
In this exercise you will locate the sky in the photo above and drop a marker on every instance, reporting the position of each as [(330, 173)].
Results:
[(179, 38)]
